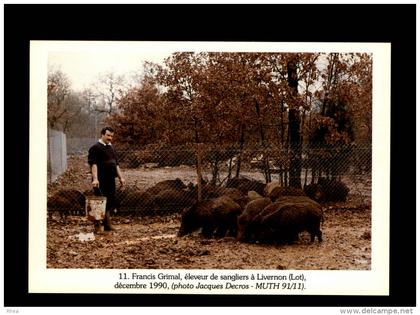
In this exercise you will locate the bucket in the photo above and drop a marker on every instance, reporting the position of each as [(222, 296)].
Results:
[(95, 208)]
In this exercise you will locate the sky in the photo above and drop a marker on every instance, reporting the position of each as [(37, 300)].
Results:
[(84, 67)]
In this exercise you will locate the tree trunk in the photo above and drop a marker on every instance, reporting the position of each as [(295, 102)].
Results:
[(294, 128), (265, 163), (241, 147)]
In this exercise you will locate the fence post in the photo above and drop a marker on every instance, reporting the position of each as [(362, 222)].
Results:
[(57, 153), (199, 164), (49, 157)]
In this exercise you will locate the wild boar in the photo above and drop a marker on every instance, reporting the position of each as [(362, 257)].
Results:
[(177, 184), (215, 217), (285, 191), (66, 202), (283, 220), (252, 209), (334, 190), (244, 185), (252, 195), (297, 199), (173, 201), (233, 193), (129, 199), (315, 192), (269, 187)]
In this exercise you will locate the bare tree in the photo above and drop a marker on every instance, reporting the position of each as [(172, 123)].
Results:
[(63, 103), (108, 90)]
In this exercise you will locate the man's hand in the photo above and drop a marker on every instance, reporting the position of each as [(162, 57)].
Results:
[(95, 183), (122, 181)]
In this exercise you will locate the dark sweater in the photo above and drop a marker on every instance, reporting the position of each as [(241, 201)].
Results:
[(105, 158)]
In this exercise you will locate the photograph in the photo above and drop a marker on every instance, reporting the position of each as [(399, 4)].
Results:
[(281, 143), (223, 160)]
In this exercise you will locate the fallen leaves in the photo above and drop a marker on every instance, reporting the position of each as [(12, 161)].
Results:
[(151, 243)]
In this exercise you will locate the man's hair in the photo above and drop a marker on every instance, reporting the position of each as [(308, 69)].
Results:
[(103, 131)]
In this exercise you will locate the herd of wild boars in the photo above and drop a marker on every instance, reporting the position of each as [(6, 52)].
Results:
[(215, 217), (277, 215), (281, 220), (244, 208)]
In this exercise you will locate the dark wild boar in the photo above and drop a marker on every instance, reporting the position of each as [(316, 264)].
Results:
[(283, 220), (129, 199), (215, 217), (173, 201), (245, 185), (167, 184), (66, 202), (278, 192), (252, 209), (314, 191), (334, 190)]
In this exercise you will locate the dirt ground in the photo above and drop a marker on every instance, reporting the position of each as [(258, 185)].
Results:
[(152, 243)]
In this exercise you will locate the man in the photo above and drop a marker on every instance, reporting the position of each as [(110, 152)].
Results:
[(104, 167)]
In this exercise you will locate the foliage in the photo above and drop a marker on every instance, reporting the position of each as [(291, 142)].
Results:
[(63, 104), (246, 99), (344, 113), (237, 100)]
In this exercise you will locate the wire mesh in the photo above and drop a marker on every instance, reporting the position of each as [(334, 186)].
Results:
[(163, 180)]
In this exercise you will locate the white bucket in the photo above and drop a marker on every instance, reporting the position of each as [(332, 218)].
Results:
[(95, 208)]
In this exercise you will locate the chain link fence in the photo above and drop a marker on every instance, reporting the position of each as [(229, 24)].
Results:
[(162, 179), (79, 145)]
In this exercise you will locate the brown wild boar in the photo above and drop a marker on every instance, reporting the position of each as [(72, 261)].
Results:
[(215, 217)]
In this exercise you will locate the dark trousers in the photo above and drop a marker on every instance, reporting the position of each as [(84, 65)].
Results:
[(107, 188)]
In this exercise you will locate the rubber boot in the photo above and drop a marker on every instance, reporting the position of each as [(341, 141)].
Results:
[(99, 227), (107, 222)]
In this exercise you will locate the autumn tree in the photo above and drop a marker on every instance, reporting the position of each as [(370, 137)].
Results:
[(63, 104), (344, 113), (294, 76), (235, 92), (180, 78), (139, 119), (237, 102), (223, 98)]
